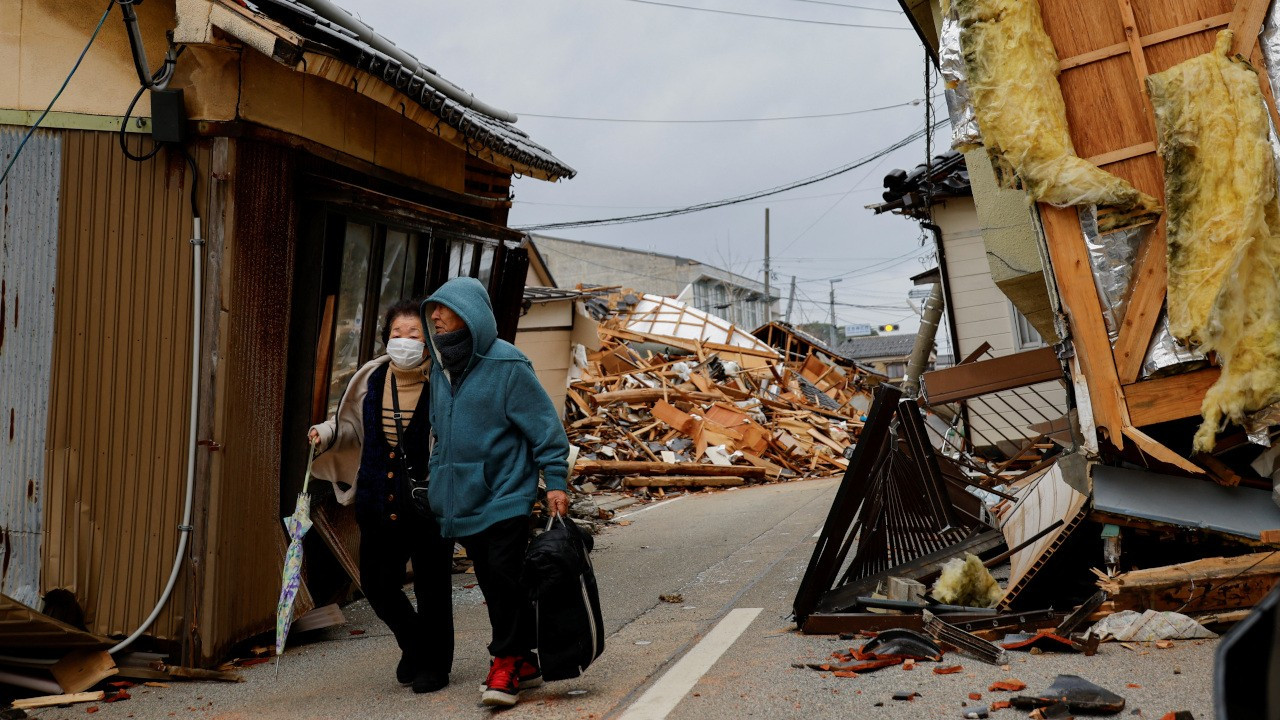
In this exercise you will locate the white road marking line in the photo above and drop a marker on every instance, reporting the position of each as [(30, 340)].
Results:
[(647, 508), (663, 696)]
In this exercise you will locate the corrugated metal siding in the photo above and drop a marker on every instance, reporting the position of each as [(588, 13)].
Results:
[(28, 263), (116, 450), (245, 542)]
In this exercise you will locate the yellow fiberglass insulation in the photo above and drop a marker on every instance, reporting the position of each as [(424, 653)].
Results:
[(1223, 228), (967, 582), (1013, 82)]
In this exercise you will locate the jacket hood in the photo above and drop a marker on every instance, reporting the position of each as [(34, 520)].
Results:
[(468, 298)]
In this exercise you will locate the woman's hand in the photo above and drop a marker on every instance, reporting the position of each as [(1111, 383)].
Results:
[(558, 502), (314, 436)]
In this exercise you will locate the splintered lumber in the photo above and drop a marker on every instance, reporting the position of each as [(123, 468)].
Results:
[(1201, 586), (684, 481), (649, 395), (80, 670), (638, 467), (55, 700), (188, 673)]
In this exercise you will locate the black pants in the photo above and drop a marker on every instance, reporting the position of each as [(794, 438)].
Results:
[(385, 547), (498, 554)]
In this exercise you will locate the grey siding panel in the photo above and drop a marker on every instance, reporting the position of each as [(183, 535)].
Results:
[(28, 268)]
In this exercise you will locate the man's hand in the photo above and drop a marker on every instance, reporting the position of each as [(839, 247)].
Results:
[(558, 502)]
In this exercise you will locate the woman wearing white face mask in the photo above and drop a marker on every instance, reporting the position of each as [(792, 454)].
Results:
[(378, 445)]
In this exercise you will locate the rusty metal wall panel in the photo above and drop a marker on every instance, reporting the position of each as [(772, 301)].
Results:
[(116, 448), (245, 542), (28, 263)]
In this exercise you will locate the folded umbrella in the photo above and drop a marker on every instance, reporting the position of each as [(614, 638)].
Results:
[(297, 524)]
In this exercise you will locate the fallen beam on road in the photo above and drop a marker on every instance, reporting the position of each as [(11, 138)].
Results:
[(683, 481), (641, 467)]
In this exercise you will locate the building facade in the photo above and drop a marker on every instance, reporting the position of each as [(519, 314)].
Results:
[(734, 297)]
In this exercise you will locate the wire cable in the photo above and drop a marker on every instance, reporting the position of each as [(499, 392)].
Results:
[(711, 205), (895, 11), (770, 17), (677, 121), (160, 79), (58, 94)]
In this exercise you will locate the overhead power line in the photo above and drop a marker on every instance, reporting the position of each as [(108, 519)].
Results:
[(909, 103), (895, 11), (769, 17), (711, 205)]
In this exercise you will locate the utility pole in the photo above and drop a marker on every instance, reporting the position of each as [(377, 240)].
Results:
[(791, 301), (924, 341), (833, 313), (768, 294)]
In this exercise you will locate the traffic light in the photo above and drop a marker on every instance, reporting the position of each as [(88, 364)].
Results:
[(887, 328)]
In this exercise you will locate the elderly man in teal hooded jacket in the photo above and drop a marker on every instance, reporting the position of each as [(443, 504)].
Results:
[(495, 431)]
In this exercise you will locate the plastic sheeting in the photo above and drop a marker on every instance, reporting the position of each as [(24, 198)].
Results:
[(1148, 626)]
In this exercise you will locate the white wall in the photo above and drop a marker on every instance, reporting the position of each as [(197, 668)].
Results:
[(544, 336), (983, 314)]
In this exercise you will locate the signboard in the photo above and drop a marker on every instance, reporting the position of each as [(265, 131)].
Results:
[(919, 293), (858, 330)]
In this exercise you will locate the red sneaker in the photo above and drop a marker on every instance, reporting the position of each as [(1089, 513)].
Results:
[(502, 688), (529, 675)]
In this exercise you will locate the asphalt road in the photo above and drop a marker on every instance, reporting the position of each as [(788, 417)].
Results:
[(725, 651)]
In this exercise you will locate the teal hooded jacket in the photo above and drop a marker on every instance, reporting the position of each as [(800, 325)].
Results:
[(496, 432)]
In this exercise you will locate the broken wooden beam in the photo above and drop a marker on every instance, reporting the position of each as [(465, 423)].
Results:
[(1201, 586), (55, 700), (643, 467), (650, 395), (683, 481)]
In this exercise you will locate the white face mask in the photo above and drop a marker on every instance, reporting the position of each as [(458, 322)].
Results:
[(405, 352)]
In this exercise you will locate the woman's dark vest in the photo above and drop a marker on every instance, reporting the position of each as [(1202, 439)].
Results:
[(382, 490)]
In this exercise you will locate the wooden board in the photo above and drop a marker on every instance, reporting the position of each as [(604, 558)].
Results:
[(82, 669), (987, 376), (1168, 398), (1208, 585), (684, 481)]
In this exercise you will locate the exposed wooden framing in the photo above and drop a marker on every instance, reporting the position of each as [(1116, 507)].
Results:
[(1084, 311), (1155, 38), (1246, 22), (987, 376), (1168, 398), (1116, 156), (977, 353), (1146, 297), (1135, 50)]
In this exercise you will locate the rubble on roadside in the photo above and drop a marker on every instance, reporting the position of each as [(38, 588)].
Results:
[(706, 406)]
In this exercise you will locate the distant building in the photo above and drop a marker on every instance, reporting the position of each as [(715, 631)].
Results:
[(734, 297), (888, 354)]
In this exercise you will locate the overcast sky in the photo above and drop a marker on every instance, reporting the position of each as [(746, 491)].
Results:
[(634, 60)]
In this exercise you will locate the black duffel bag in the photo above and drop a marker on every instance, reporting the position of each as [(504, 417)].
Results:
[(566, 601)]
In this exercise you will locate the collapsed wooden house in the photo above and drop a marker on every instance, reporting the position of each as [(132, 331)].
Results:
[(332, 174), (1119, 173)]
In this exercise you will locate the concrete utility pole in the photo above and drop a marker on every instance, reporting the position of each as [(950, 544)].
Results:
[(924, 341), (833, 313), (768, 294), (791, 301)]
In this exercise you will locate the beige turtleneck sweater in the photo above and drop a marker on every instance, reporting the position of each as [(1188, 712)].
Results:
[(410, 384)]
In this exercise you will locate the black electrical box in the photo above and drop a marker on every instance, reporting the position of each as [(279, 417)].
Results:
[(168, 116)]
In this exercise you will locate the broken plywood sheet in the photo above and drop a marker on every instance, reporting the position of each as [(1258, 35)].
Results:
[(1043, 501), (1239, 511)]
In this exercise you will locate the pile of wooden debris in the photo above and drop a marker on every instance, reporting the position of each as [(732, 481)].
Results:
[(676, 398)]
